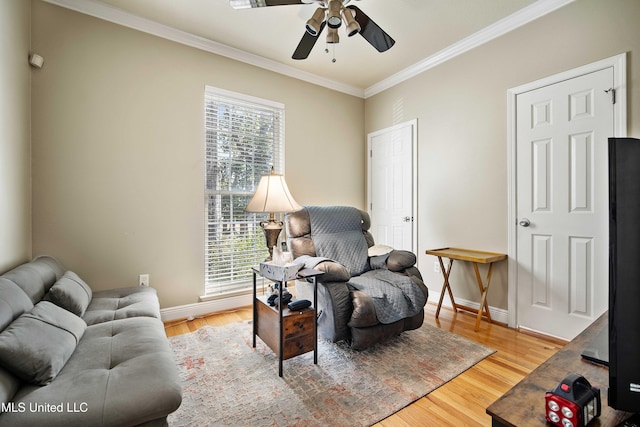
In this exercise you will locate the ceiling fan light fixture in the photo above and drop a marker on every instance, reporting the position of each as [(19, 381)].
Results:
[(315, 22), (353, 27), (332, 36), (334, 20)]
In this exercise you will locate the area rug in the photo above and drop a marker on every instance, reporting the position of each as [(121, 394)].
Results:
[(226, 382)]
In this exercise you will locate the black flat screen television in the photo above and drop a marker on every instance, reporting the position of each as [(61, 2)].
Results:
[(624, 274)]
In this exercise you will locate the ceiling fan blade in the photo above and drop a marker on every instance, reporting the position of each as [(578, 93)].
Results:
[(306, 44), (372, 32), (247, 4)]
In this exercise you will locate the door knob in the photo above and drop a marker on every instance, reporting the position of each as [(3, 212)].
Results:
[(525, 222), (406, 219)]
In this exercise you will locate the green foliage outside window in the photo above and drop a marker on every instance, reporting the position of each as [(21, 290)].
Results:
[(243, 141)]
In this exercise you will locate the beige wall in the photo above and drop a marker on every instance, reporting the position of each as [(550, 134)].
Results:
[(118, 149), (117, 141), (462, 127), (15, 113)]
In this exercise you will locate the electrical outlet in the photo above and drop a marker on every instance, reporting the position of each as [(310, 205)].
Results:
[(436, 267), (143, 280)]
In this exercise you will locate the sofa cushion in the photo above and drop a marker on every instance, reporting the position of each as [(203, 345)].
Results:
[(71, 293), (13, 302), (122, 303), (52, 263), (34, 278), (9, 385), (36, 346), (122, 373)]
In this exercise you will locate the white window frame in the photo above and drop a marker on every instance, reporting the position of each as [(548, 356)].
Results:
[(228, 270)]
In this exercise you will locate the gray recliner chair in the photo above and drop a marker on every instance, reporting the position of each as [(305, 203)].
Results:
[(362, 299)]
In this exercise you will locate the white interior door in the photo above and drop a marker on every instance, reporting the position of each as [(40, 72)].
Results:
[(562, 203), (392, 186)]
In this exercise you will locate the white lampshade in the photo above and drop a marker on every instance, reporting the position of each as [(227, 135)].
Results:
[(272, 195)]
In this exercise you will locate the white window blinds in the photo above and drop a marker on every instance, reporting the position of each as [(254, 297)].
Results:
[(244, 138)]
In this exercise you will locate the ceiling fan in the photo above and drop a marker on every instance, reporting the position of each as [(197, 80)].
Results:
[(332, 14)]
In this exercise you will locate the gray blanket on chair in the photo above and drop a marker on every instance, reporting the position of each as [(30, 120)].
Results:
[(336, 232), (394, 296)]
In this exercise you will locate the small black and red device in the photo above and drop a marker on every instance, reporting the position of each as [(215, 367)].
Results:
[(573, 403)]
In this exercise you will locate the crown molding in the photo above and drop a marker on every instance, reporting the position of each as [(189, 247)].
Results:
[(109, 13), (497, 29)]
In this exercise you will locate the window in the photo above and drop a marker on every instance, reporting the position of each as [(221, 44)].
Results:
[(244, 138), (245, 4)]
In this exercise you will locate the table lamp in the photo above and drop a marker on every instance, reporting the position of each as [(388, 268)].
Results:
[(273, 196)]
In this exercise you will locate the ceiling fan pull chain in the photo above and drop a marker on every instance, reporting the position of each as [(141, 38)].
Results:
[(333, 50)]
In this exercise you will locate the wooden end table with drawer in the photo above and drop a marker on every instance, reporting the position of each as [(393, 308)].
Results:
[(287, 333)]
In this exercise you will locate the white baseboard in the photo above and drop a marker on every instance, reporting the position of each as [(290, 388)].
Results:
[(232, 303), (205, 307), (497, 314)]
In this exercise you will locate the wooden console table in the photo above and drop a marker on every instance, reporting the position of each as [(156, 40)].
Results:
[(474, 257), (524, 405)]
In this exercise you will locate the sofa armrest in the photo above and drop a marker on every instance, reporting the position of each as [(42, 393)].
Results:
[(364, 312), (333, 272), (416, 277), (400, 260)]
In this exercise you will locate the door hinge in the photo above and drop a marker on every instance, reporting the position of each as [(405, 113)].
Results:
[(613, 94)]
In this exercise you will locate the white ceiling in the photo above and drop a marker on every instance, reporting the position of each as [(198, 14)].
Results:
[(426, 32)]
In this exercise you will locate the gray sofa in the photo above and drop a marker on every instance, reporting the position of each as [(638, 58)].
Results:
[(73, 357), (365, 296)]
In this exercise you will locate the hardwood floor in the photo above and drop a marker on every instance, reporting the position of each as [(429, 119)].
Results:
[(463, 400)]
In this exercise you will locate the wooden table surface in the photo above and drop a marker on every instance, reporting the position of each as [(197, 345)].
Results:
[(467, 255), (524, 404)]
